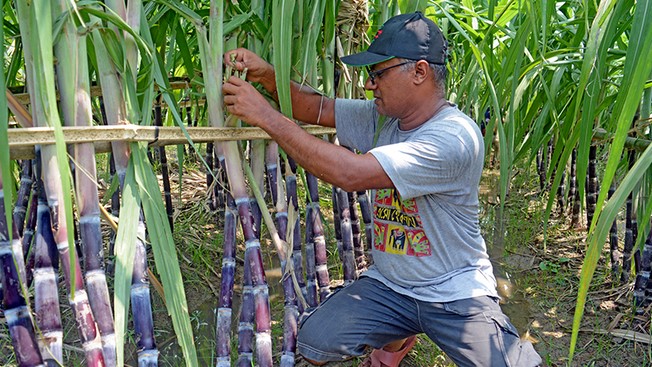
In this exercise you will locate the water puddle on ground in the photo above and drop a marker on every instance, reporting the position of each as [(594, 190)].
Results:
[(492, 219)]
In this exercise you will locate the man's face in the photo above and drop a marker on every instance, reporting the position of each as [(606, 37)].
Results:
[(389, 81)]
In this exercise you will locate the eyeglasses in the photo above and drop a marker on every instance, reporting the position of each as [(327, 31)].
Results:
[(373, 74)]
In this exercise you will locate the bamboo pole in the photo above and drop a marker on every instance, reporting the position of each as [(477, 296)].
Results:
[(21, 141)]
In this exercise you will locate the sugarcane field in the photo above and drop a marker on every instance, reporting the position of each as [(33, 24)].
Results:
[(354, 183)]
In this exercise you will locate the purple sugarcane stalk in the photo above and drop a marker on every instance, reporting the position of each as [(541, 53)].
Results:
[(246, 323), (592, 186), (28, 237), (141, 305), (318, 240), (23, 195), (365, 211), (613, 243), (573, 192), (46, 295), (212, 200), (225, 302), (116, 113), (643, 275), (292, 199), (348, 257), (358, 247), (158, 120), (19, 321), (292, 306), (631, 230)]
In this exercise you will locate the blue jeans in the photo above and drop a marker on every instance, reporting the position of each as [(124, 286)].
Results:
[(472, 332)]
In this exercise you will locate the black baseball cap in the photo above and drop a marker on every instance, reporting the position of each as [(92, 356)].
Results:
[(410, 36)]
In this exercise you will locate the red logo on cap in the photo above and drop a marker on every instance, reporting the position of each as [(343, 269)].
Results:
[(380, 31)]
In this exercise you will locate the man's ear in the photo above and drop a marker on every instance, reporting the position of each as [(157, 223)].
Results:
[(421, 71)]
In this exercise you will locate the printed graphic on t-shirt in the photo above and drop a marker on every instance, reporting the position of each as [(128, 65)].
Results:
[(397, 225)]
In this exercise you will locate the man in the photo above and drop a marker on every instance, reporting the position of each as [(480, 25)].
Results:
[(424, 162)]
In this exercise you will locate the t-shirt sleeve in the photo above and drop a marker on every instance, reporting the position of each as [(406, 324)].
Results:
[(432, 161), (355, 122)]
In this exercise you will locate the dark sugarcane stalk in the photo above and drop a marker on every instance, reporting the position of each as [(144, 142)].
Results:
[(246, 322), (116, 113), (337, 225), (46, 294), (358, 247), (613, 244), (28, 237), (141, 305), (541, 167), (313, 222), (561, 192), (290, 286), (115, 211), (30, 224), (311, 265), (365, 212), (18, 319), (212, 200), (297, 240), (158, 120), (592, 185), (629, 240), (77, 111), (23, 195), (225, 302), (348, 256), (219, 171), (573, 192), (643, 276), (271, 169), (631, 228)]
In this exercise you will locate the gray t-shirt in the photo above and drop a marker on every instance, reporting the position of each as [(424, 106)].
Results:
[(427, 242)]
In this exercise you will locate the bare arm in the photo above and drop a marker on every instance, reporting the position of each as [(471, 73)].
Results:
[(307, 104), (329, 162)]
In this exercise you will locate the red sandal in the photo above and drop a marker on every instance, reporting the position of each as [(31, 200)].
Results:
[(383, 358)]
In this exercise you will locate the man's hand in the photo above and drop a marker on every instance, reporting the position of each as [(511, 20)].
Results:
[(245, 102), (258, 70)]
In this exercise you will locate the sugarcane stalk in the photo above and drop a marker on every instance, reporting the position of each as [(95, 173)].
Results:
[(628, 243), (46, 295), (561, 192), (117, 113), (337, 225), (643, 276), (28, 237), (311, 265), (77, 111), (613, 243), (54, 169), (592, 186), (573, 192), (358, 247), (225, 302), (246, 322), (313, 222), (19, 321), (23, 195), (297, 243), (348, 256), (158, 120)]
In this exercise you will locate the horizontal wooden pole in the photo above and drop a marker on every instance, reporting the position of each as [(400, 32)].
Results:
[(22, 141)]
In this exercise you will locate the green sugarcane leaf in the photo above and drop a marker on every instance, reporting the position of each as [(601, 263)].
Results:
[(41, 40), (638, 65), (125, 250), (165, 256), (283, 11)]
